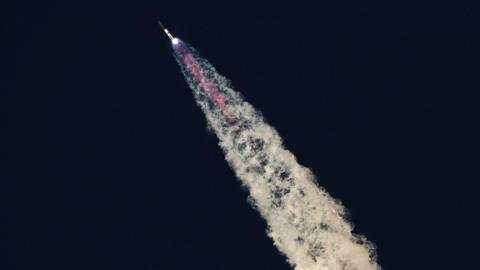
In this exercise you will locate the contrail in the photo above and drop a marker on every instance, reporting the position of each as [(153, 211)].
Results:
[(304, 221)]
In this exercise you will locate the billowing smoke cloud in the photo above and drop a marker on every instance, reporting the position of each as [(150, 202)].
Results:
[(304, 221)]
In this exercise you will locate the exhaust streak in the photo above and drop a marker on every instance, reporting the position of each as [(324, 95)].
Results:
[(304, 221)]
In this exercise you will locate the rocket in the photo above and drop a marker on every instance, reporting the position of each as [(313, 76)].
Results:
[(172, 38)]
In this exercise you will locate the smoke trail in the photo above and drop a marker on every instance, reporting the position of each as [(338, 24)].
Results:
[(305, 223)]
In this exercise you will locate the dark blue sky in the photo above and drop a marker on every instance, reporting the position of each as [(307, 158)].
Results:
[(110, 164)]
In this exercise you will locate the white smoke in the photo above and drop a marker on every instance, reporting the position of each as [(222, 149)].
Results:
[(304, 221)]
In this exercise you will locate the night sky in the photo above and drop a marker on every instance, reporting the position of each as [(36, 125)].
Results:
[(109, 163)]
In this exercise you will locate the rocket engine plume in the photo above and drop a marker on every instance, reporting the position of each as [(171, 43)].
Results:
[(304, 221)]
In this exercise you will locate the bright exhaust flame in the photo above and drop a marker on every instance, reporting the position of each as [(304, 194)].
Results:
[(304, 221)]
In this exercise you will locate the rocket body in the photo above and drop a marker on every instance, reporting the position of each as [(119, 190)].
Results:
[(166, 31)]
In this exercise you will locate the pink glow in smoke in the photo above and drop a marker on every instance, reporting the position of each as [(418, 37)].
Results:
[(211, 89), (198, 75)]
